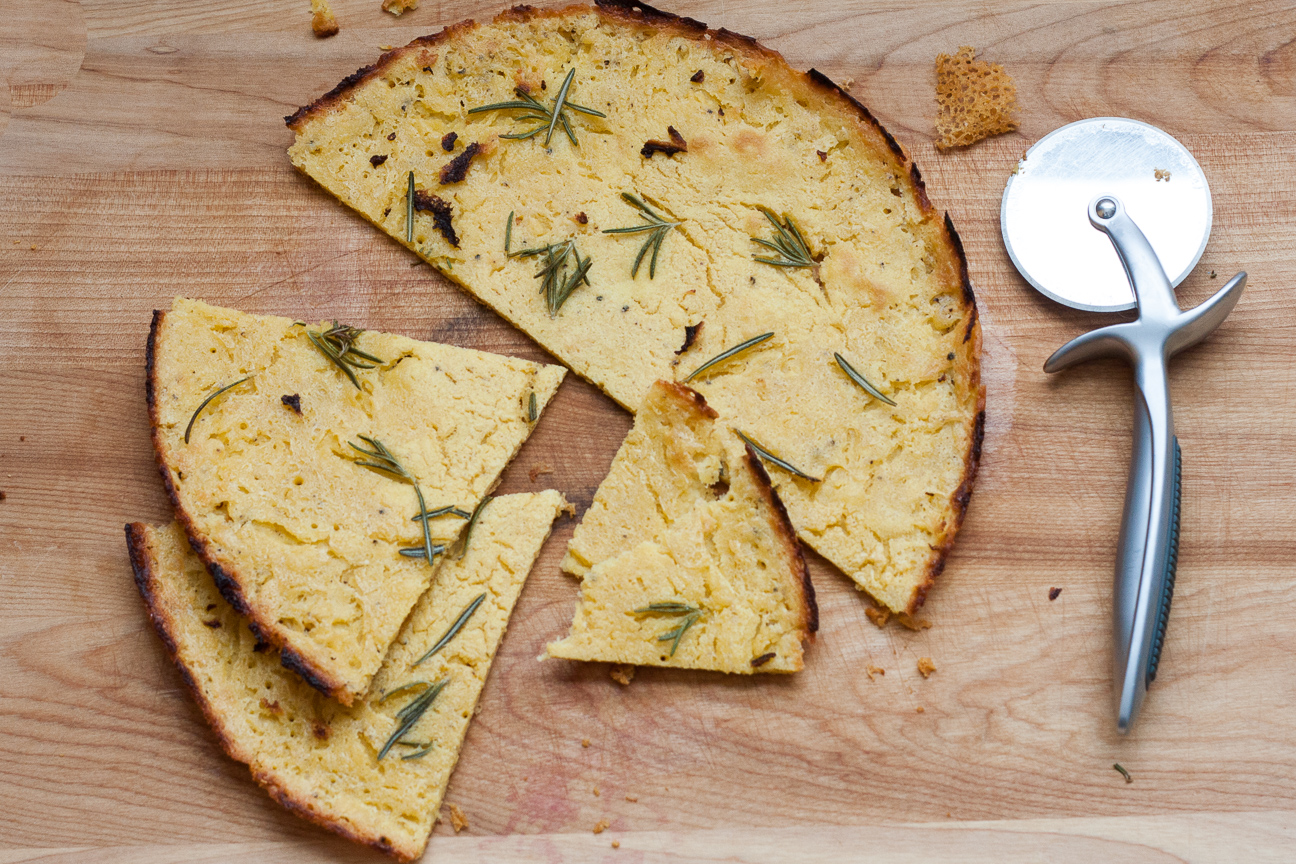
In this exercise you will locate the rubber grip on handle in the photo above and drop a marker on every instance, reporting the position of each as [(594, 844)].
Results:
[(1172, 559)]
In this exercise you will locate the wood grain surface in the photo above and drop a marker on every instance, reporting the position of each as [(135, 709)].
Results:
[(142, 156)]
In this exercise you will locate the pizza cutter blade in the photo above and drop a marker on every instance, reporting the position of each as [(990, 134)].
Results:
[(1144, 191)]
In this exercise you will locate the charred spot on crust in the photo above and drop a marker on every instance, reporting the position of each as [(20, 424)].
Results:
[(293, 402), (1054, 592), (677, 144), (691, 332), (320, 731), (698, 77), (823, 157), (582, 218), (391, 137), (260, 647), (427, 202), (457, 168), (378, 159), (762, 659), (214, 624), (448, 141), (294, 662), (644, 12)]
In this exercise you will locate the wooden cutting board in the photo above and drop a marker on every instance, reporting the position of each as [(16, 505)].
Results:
[(142, 156)]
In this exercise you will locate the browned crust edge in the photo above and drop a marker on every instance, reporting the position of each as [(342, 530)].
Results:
[(787, 533), (684, 393), (226, 581), (141, 558), (628, 11)]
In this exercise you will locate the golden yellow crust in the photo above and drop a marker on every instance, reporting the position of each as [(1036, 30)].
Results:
[(976, 99), (315, 757), (300, 538), (888, 288), (687, 517)]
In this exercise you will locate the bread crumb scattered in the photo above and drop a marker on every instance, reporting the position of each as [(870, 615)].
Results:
[(569, 508), (616, 844), (847, 83), (396, 7), (603, 825), (1054, 592), (1161, 174), (912, 623), (33, 247), (623, 673), (323, 22), (878, 616), (458, 820), (926, 666), (874, 670), (596, 792), (585, 742), (976, 99), (919, 709), (539, 469), (633, 799)]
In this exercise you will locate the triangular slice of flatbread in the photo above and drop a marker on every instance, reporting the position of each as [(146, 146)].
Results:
[(686, 554), (300, 536), (314, 756)]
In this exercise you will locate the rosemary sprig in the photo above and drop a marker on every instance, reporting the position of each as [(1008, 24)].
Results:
[(508, 234), (449, 510), (386, 462), (556, 284), (788, 243), (725, 355), (657, 227), (337, 343), (690, 614), (860, 380), (410, 715), (453, 629), (208, 401), (409, 211), (547, 118), (472, 523), (1117, 766), (767, 456), (533, 409)]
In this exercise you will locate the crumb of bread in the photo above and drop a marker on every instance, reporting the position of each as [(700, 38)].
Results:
[(1161, 174), (976, 99), (323, 21), (585, 742), (633, 799), (603, 825), (396, 7), (874, 670), (539, 469), (926, 666), (911, 622), (623, 673), (570, 509), (458, 820), (878, 616), (616, 844), (1054, 592), (919, 709)]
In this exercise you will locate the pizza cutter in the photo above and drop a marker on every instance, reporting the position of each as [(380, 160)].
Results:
[(1109, 214)]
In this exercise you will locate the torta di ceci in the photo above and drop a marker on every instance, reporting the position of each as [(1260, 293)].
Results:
[(686, 555), (640, 195), (317, 758), (296, 456)]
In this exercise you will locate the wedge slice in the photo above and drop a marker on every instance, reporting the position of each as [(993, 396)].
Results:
[(301, 537), (314, 756), (686, 554)]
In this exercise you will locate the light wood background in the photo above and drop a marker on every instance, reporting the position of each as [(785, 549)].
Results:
[(142, 156)]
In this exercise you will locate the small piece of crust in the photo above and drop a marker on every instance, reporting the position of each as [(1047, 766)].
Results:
[(399, 7), (323, 22), (313, 756), (976, 99)]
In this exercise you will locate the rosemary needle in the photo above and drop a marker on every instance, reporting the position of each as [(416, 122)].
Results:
[(404, 688), (860, 379), (207, 401), (450, 510), (472, 523), (508, 233), (410, 715), (533, 411), (1123, 772), (453, 629), (690, 614), (409, 211), (725, 355), (767, 456)]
